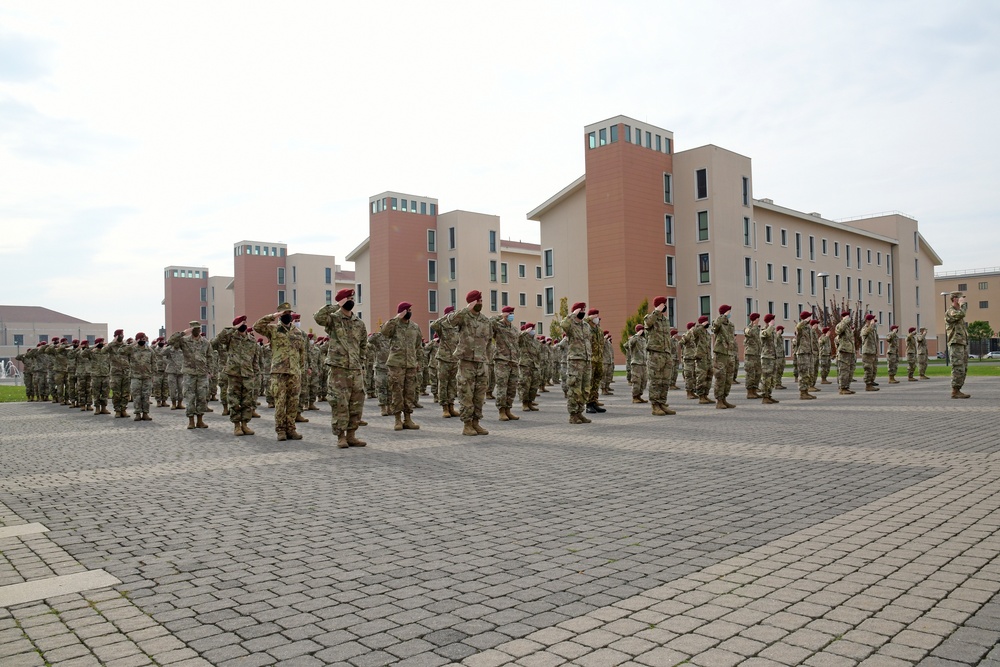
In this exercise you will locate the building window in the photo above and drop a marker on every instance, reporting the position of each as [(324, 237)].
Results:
[(798, 245), (550, 300), (18, 340), (432, 301), (770, 272), (281, 275), (823, 246), (984, 304), (847, 254), (702, 225), (746, 232), (423, 208), (547, 258), (746, 191), (784, 238), (668, 189), (668, 229), (493, 300), (869, 257), (538, 300), (628, 133), (503, 299), (493, 240), (204, 294), (984, 285), (357, 293), (329, 297), (281, 296), (295, 297), (592, 140), (451, 238), (670, 270), (836, 248), (785, 309), (767, 234), (812, 248), (413, 206), (888, 293), (963, 287), (431, 240), (666, 144), (916, 294), (705, 306), (869, 287), (836, 282), (204, 312), (614, 133), (704, 275), (602, 136), (452, 268), (452, 297), (638, 137), (393, 201), (520, 270), (880, 288), (503, 273), (701, 183), (748, 308), (434, 209), (878, 257), (784, 274), (43, 338), (432, 271), (671, 311), (649, 140), (848, 289), (859, 287), (493, 270), (798, 280), (538, 273), (812, 283), (294, 274), (402, 205), (522, 299), (770, 307), (916, 269), (329, 276), (747, 272)]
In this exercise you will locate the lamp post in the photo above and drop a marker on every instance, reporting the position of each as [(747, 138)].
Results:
[(824, 276), (945, 296)]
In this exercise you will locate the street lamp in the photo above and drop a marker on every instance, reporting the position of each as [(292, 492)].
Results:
[(945, 296), (824, 276)]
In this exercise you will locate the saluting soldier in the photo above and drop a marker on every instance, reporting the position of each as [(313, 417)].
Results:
[(345, 361), (637, 356), (892, 353), (195, 368), (869, 351), (659, 357), (141, 362), (725, 349), (846, 356), (474, 333), (578, 362), (957, 333), (768, 359), (505, 362), (288, 354), (804, 355), (240, 372), (751, 356), (911, 354), (404, 344)]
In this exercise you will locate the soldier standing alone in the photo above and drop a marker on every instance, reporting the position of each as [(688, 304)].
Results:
[(957, 331)]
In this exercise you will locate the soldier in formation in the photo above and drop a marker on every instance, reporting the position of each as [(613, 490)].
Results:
[(957, 333), (346, 352)]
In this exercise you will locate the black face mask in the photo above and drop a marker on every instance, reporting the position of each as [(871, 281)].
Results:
[(243, 328), (580, 316), (142, 342), (407, 316), (286, 319), (348, 305)]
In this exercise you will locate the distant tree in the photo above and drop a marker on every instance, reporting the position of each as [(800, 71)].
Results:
[(555, 330), (980, 331), (638, 317)]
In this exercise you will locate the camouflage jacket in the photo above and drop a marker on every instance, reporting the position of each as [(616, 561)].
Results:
[(956, 328), (689, 344), (596, 342), (447, 337), (473, 330), (869, 338), (577, 337), (195, 351), (825, 346), (140, 361), (911, 345), (803, 339), (528, 348), (175, 359), (657, 330), (506, 337), (921, 345), (751, 341), (404, 342), (637, 346), (348, 346), (83, 363), (240, 352), (768, 336), (100, 362), (119, 356), (704, 342), (160, 359), (892, 344), (288, 345), (845, 337), (725, 342), (381, 345)]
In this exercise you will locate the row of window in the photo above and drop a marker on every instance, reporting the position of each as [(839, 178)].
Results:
[(404, 205), (264, 251), (432, 271), (185, 273), (964, 287), (497, 299), (640, 137), (327, 275)]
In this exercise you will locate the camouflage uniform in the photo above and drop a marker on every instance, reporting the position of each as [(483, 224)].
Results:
[(288, 357), (118, 353), (175, 378), (779, 357), (57, 355), (141, 364), (100, 375), (689, 352), (751, 357), (804, 358), (725, 347), (195, 369), (345, 361), (957, 334), (768, 338), (238, 352), (911, 355), (637, 356), (869, 353), (596, 359), (922, 353), (677, 360), (609, 367), (83, 376), (527, 361), (846, 357), (71, 357), (219, 347), (213, 374), (160, 390), (703, 372), (892, 354), (474, 332), (370, 390), (825, 352), (404, 346), (562, 347), (578, 366), (505, 364), (447, 364), (659, 359)]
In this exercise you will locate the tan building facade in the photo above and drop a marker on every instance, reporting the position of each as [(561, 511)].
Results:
[(23, 327)]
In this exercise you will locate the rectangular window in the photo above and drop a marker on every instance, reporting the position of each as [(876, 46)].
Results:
[(848, 289), (869, 256), (812, 248), (394, 203), (702, 225), (659, 144), (859, 287), (43, 338), (812, 283), (869, 287), (668, 229), (888, 293), (963, 287), (329, 276), (670, 270), (784, 238), (666, 144), (550, 300), (453, 297), (256, 250), (671, 311), (493, 240), (916, 293), (493, 270), (520, 270), (984, 304), (747, 272), (538, 273), (628, 133), (916, 269), (522, 299), (985, 285), (493, 301), (592, 139), (614, 133), (204, 312), (701, 184), (649, 139), (748, 308), (798, 280), (413, 206), (452, 268), (746, 191), (204, 294), (767, 234), (431, 240), (602, 136), (548, 260), (770, 307), (847, 254), (880, 288), (281, 296), (798, 245), (451, 238), (704, 275), (785, 308), (668, 189), (18, 340), (770, 272), (434, 209), (423, 208), (823, 246), (294, 274), (538, 300), (878, 257), (329, 297), (503, 273), (503, 299), (836, 282), (432, 271), (705, 306), (836, 248), (746, 232), (357, 293), (784, 274), (859, 256), (295, 297)]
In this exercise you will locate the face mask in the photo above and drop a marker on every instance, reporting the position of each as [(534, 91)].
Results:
[(286, 319), (160, 345), (407, 316), (195, 333), (243, 328), (100, 345), (478, 307), (580, 316), (348, 305), (142, 342), (510, 318), (597, 320), (727, 316), (530, 332)]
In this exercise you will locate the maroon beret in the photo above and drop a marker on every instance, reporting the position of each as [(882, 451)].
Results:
[(474, 295), (76, 341), (724, 309), (344, 293), (239, 320), (912, 329), (754, 316), (141, 336), (768, 317), (98, 340), (607, 333), (540, 336), (893, 327), (658, 300), (639, 328), (805, 314), (119, 332), (579, 305), (813, 321), (703, 319), (507, 309), (673, 331), (449, 309), (690, 325), (779, 328), (845, 313), (403, 306), (869, 317), (593, 311), (826, 329), (310, 335)]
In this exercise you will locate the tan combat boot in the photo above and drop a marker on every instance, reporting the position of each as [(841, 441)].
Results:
[(225, 411), (146, 417), (293, 435), (957, 393), (137, 417), (299, 419), (728, 404), (201, 423), (806, 396), (768, 401), (910, 378), (312, 406), (575, 419), (254, 414), (510, 415), (180, 405), (385, 410), (237, 429), (453, 411), (409, 423), (245, 426), (479, 429), (584, 418), (341, 439), (525, 406), (468, 429), (893, 380), (657, 410), (923, 377), (720, 404), (191, 422), (705, 400), (825, 381), (691, 394), (870, 387), (104, 410), (399, 422), (281, 436), (445, 412), (352, 440), (503, 416)]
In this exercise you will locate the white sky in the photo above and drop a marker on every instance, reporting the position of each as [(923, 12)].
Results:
[(136, 135)]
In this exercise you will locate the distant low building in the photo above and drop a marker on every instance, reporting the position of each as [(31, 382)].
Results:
[(23, 327)]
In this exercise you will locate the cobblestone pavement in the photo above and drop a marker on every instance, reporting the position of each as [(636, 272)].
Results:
[(848, 530)]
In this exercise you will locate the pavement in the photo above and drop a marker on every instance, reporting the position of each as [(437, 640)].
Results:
[(850, 530)]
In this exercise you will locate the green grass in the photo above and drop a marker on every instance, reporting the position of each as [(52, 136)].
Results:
[(10, 394)]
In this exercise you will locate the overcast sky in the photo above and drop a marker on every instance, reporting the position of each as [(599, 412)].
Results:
[(136, 135)]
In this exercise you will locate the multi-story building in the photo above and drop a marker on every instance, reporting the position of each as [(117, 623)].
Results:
[(646, 221), (23, 327), (433, 260), (185, 297), (978, 285)]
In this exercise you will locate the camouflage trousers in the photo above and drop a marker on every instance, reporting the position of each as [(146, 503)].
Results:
[(870, 363), (752, 368), (846, 362), (100, 386), (703, 375), (213, 386), (382, 385), (160, 390), (578, 375), (447, 382), (922, 363), (806, 363), (369, 380), (658, 367), (239, 395), (59, 393), (29, 384), (638, 380), (432, 372), (506, 386), (196, 395), (345, 391), (779, 370), (674, 372), (83, 390), (824, 366), (491, 376), (596, 372), (564, 376), (527, 385), (175, 383), (691, 374), (911, 363), (959, 363), (767, 376), (119, 390), (402, 389), (609, 375), (140, 388), (892, 362), (285, 389), (472, 376), (723, 375)]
